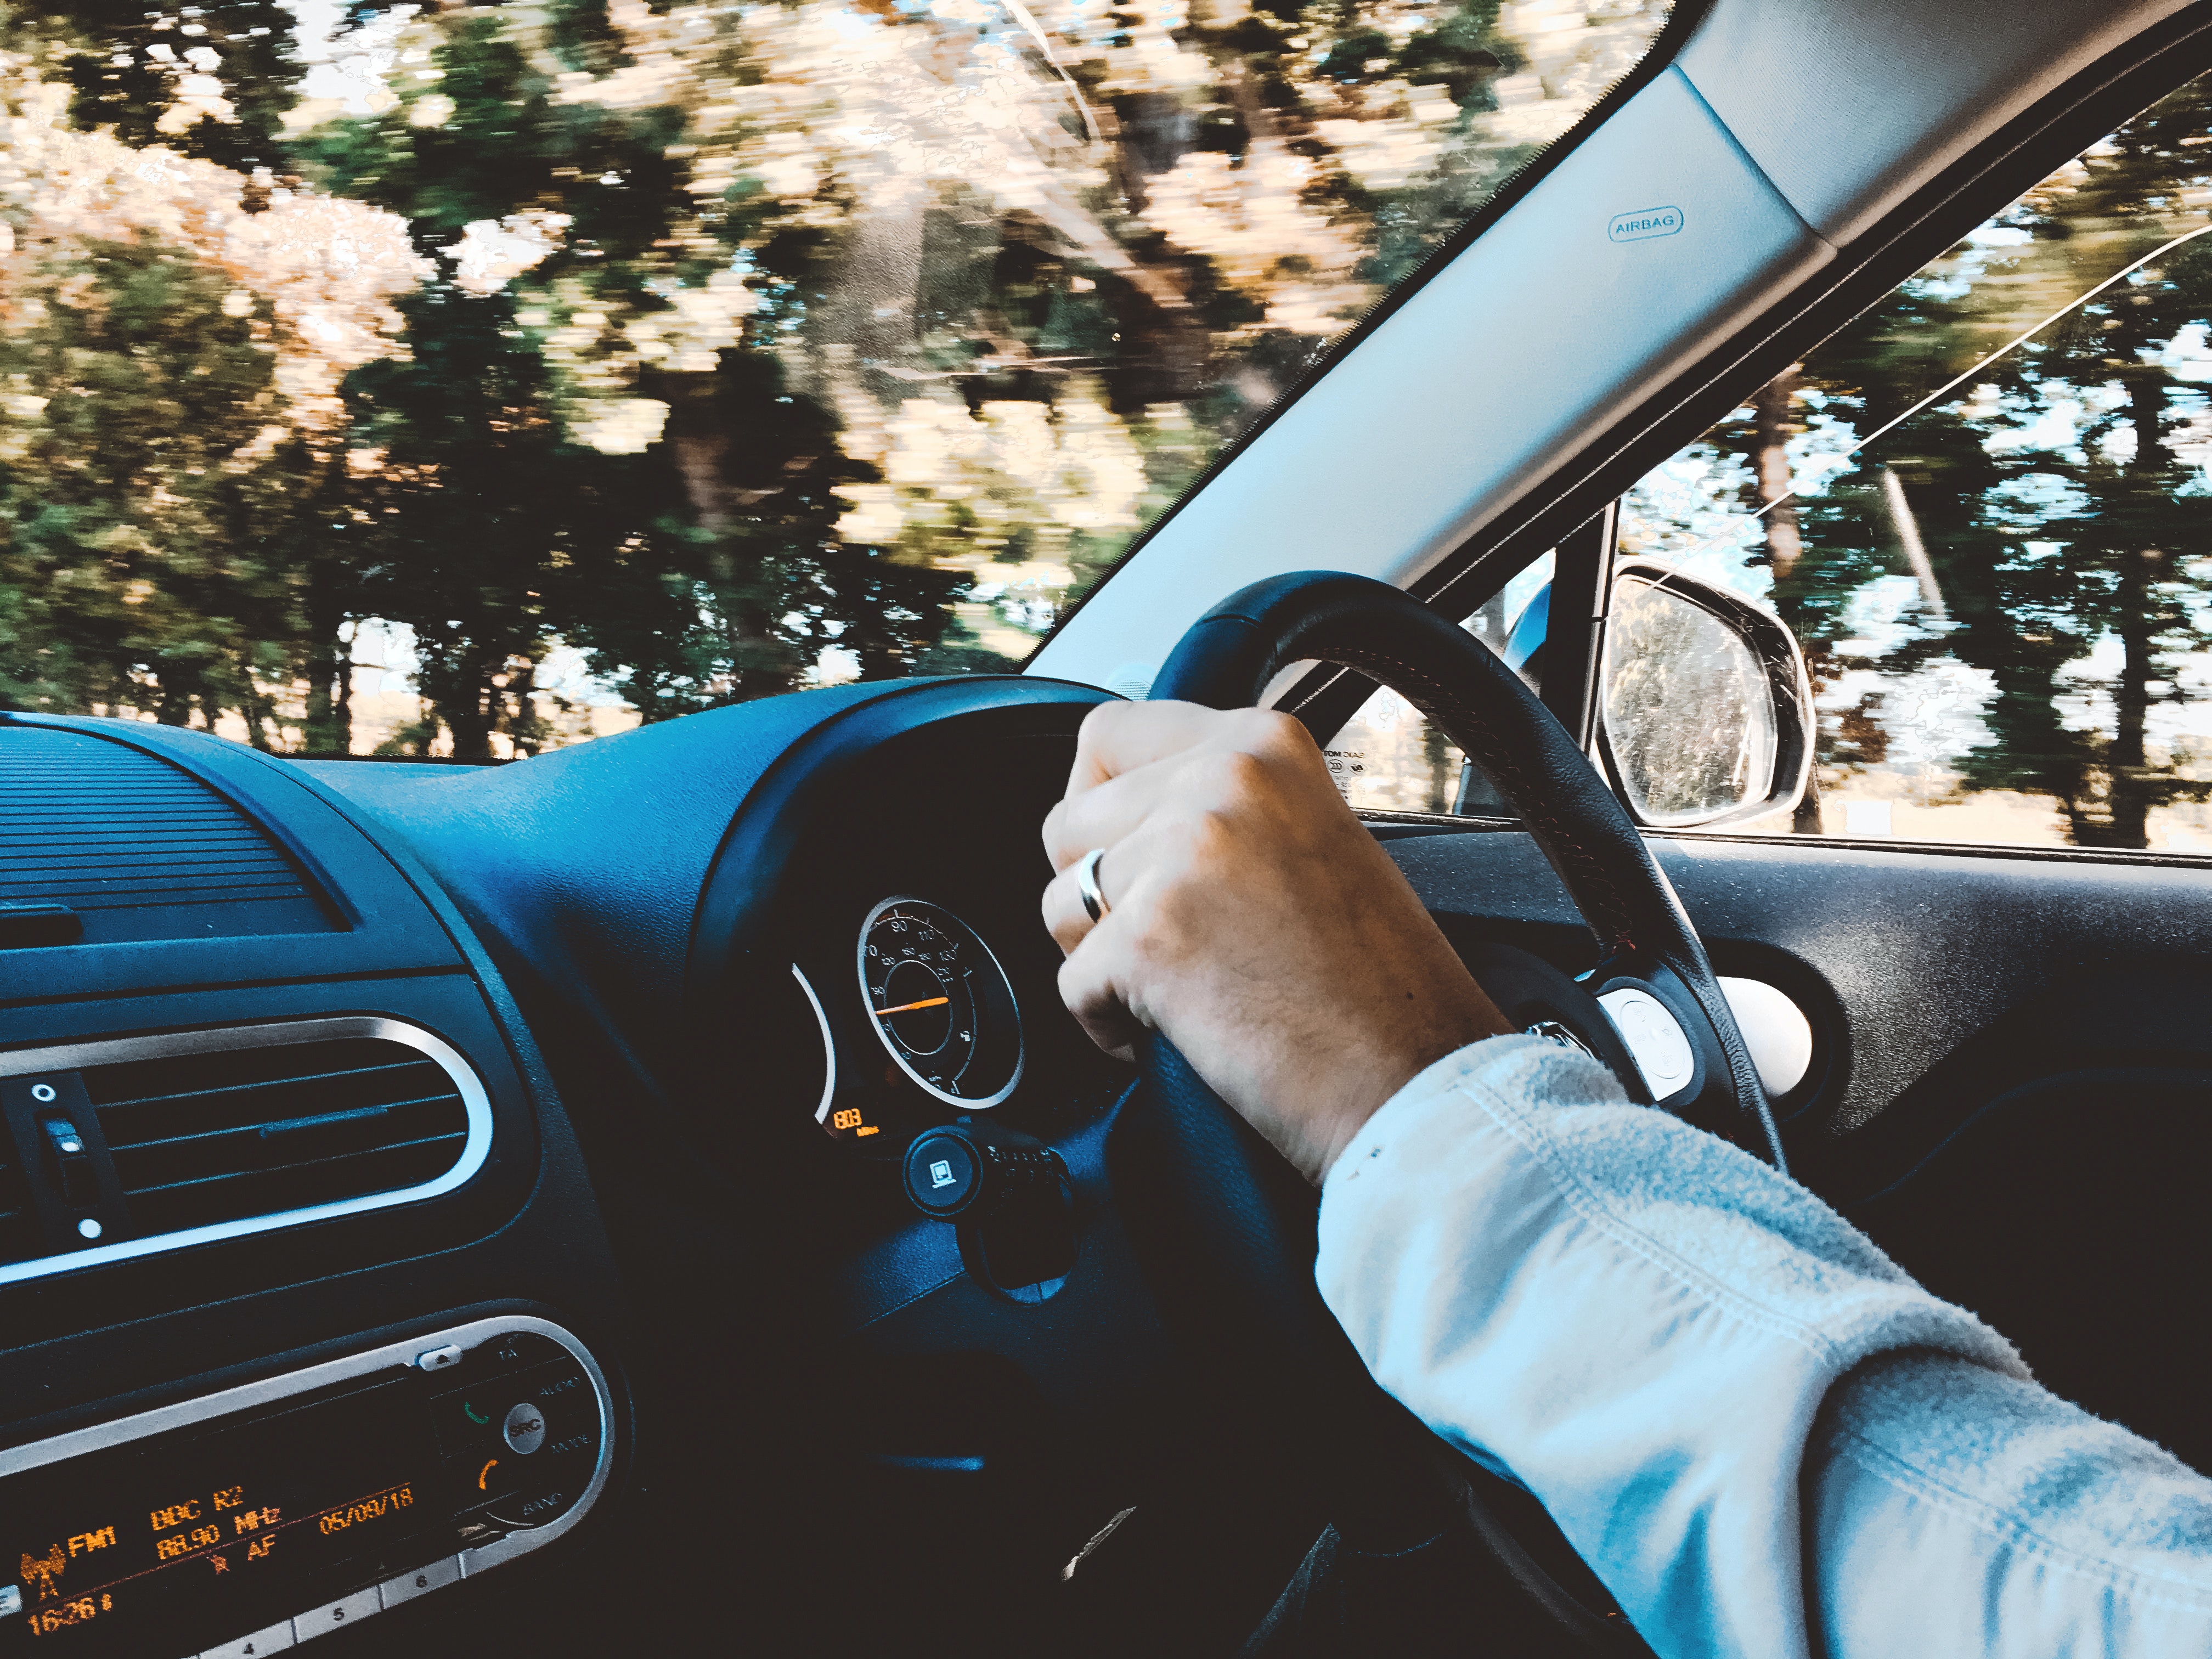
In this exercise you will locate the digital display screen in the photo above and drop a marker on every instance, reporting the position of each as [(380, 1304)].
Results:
[(185, 1543), (183, 1540)]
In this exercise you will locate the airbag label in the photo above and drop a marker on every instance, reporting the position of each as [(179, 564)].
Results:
[(1643, 223)]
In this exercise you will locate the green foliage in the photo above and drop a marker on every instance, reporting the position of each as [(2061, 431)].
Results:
[(151, 537), (496, 485), (124, 64)]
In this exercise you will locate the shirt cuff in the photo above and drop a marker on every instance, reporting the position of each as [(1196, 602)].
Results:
[(1537, 1067)]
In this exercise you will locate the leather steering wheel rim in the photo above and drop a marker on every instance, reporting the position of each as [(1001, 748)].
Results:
[(1226, 1229), (1229, 657)]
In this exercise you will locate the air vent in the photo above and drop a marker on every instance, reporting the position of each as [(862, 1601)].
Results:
[(138, 848), (202, 1138), (127, 1145)]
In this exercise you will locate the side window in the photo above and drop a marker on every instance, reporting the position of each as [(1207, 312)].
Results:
[(1984, 508)]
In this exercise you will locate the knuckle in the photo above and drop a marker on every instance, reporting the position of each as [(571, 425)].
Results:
[(1104, 714), (1209, 840), (1239, 777), (1269, 730)]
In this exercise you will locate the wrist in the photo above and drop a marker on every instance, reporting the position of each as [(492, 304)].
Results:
[(1369, 1088)]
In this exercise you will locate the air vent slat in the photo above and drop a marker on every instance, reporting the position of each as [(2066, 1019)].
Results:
[(240, 1133), (74, 895), (304, 1165), (151, 1163), (294, 1186), (413, 1060)]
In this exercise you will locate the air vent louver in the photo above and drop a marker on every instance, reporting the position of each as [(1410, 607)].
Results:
[(199, 1139), (139, 848)]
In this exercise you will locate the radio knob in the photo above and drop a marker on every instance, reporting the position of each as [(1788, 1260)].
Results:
[(525, 1429)]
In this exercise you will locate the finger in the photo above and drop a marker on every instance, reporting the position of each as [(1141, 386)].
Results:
[(1110, 812), (1120, 736), (1087, 986), (1065, 917)]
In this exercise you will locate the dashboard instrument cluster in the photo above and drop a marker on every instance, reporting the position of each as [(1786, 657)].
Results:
[(928, 1028), (874, 960)]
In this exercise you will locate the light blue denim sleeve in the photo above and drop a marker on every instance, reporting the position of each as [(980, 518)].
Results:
[(1704, 1373)]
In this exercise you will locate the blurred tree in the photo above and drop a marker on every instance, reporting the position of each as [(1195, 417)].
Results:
[(212, 80), (697, 276), (701, 568), (152, 513)]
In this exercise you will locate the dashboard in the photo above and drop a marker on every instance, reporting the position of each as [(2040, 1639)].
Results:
[(651, 1194), (345, 1101)]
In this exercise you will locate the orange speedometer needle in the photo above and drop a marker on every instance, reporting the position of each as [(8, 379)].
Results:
[(908, 1007)]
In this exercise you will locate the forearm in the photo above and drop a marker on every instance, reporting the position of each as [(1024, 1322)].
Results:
[(1960, 1512), (1644, 1326)]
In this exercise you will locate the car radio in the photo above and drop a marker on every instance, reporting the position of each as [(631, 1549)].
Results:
[(244, 1523)]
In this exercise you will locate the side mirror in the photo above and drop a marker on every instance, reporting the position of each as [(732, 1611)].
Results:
[(1704, 715)]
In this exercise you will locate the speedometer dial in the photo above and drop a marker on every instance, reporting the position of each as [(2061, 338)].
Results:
[(941, 1002)]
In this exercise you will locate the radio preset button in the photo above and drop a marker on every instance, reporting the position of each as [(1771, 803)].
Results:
[(275, 1639), (422, 1581), (334, 1615)]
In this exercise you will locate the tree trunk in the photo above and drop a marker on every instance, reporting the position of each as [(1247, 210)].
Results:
[(465, 718), (327, 670), (524, 729), (342, 708), (2132, 791), (459, 691), (175, 707), (2128, 779), (1806, 820), (1773, 424), (1443, 770)]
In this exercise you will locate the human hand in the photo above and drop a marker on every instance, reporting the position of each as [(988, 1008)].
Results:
[(1252, 919)]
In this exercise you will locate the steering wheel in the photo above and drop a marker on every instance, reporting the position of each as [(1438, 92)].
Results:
[(1226, 1229)]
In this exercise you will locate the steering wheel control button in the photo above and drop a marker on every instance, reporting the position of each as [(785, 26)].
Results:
[(439, 1360), (524, 1430), (275, 1639), (420, 1581), (335, 1616), (1655, 1039), (941, 1173)]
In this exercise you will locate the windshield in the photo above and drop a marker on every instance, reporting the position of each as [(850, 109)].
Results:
[(468, 380)]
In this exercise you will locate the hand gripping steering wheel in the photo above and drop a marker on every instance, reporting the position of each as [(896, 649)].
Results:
[(1226, 1228)]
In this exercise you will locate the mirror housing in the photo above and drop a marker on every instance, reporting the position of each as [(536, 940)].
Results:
[(1704, 712)]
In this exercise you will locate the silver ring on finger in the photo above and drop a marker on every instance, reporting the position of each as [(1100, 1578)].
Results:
[(1086, 883)]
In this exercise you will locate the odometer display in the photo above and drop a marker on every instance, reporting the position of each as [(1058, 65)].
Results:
[(941, 1002)]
